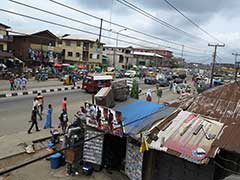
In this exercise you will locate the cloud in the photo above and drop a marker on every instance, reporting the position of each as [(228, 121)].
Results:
[(219, 17)]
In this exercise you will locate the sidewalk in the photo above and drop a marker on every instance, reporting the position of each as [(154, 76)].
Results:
[(47, 89), (4, 84), (14, 144)]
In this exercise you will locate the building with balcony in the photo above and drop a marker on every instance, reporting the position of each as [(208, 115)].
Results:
[(152, 57), (148, 59), (37, 47), (5, 40), (77, 50), (119, 57)]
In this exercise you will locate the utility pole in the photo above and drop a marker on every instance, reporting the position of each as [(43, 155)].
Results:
[(182, 51), (114, 52), (214, 59), (236, 65), (100, 33)]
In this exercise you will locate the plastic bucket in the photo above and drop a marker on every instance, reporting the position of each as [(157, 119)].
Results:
[(55, 160)]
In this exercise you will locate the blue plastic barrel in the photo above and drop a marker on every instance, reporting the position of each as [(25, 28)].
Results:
[(55, 160)]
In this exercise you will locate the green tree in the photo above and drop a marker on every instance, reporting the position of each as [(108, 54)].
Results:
[(134, 91)]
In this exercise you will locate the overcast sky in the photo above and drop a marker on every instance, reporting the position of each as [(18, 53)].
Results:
[(218, 17)]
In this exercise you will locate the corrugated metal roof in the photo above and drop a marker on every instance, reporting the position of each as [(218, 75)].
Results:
[(187, 135), (146, 54), (223, 104)]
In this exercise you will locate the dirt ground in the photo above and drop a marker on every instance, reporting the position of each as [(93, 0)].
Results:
[(41, 171)]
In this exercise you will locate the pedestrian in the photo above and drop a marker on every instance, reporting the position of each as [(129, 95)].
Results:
[(40, 103), (110, 120), (148, 98), (98, 117), (35, 103), (11, 81), (64, 104), (149, 95), (74, 80), (18, 83), (24, 83), (34, 119), (48, 120), (63, 118), (171, 86)]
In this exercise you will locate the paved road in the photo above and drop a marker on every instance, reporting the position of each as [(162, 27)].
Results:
[(16, 111)]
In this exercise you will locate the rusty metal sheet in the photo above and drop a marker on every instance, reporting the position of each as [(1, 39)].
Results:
[(223, 104), (184, 137)]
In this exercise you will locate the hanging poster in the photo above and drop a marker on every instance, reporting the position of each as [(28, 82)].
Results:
[(103, 118)]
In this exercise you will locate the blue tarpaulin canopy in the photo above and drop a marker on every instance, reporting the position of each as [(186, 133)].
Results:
[(137, 112)]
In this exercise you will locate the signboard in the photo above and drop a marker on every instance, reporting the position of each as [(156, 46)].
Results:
[(104, 118)]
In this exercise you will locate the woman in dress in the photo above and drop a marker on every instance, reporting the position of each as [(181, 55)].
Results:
[(48, 120)]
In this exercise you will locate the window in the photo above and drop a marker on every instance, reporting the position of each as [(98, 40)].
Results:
[(68, 43), (78, 43), (77, 54), (98, 56), (121, 59), (103, 49), (90, 56), (70, 54), (60, 42), (91, 45)]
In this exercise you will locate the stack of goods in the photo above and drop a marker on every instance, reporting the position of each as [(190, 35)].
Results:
[(120, 90), (104, 97)]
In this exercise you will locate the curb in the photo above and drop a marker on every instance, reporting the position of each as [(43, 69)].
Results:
[(64, 88), (23, 152)]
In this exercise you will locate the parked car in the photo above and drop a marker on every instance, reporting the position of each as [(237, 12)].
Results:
[(169, 77), (150, 80), (178, 80), (130, 73), (183, 88), (163, 82), (119, 74)]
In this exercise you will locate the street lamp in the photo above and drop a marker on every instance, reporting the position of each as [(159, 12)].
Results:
[(114, 56)]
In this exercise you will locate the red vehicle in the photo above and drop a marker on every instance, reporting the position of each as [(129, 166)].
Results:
[(92, 84)]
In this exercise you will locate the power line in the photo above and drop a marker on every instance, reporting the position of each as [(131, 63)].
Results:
[(69, 27), (122, 26), (192, 22), (146, 14), (75, 20), (84, 31)]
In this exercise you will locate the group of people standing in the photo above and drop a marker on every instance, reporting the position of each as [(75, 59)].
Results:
[(37, 112), (18, 83)]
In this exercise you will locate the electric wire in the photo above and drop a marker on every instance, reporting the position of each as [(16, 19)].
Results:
[(122, 26), (77, 29), (192, 22), (156, 19)]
